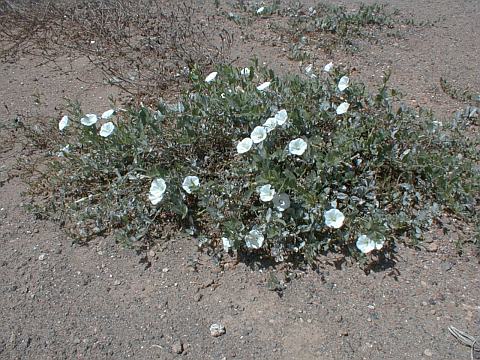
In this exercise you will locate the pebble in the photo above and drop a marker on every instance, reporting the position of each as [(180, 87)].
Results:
[(446, 266), (428, 353), (217, 330), (433, 247), (177, 347), (197, 297), (42, 257)]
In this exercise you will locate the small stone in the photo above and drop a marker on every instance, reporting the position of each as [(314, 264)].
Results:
[(117, 282), (42, 257), (151, 253), (165, 270), (339, 318), (177, 347), (433, 247), (197, 297), (217, 330), (446, 266), (428, 353)]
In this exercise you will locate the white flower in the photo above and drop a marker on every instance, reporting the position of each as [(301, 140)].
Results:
[(260, 10), (245, 71), (63, 123), (89, 119), (227, 244), (342, 108), (297, 146), (258, 134), (190, 183), (343, 83), (108, 114), (157, 189), (334, 218), (327, 68), (266, 193), (281, 117), (270, 124), (263, 86), (211, 77), (281, 201), (64, 150), (244, 145), (107, 129), (254, 239), (366, 245)]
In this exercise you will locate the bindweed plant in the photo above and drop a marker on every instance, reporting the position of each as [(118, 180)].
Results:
[(329, 26), (249, 162)]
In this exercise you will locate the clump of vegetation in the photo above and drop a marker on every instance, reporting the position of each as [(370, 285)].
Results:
[(252, 163), (328, 26), (464, 95)]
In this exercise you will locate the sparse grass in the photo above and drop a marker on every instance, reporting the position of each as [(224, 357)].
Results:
[(143, 46), (328, 26), (465, 95)]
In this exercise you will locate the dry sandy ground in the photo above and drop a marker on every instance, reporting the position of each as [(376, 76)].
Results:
[(62, 301)]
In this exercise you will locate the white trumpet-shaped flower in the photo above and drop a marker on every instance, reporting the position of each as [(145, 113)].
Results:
[(107, 129), (258, 134), (244, 145), (297, 147), (245, 71), (342, 108), (264, 86), (108, 114), (334, 218), (327, 68), (64, 150), (227, 244), (89, 119), (270, 124), (254, 239), (63, 123), (210, 77), (190, 183), (343, 83), (281, 116), (157, 190), (366, 245), (266, 193)]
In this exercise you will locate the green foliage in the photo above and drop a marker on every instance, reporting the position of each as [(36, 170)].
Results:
[(388, 170), (457, 94), (328, 26)]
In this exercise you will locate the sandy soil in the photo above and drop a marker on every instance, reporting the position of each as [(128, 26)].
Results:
[(64, 301)]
